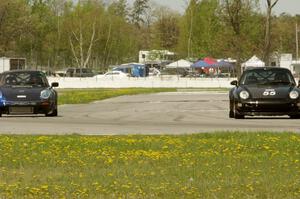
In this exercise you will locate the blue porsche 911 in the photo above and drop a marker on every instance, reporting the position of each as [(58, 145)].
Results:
[(27, 92)]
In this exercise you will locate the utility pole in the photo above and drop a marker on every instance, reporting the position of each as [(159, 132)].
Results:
[(297, 42)]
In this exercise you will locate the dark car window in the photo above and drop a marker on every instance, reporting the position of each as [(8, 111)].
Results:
[(24, 79), (271, 76)]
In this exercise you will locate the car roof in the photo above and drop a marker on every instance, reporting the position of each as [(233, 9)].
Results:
[(267, 68), (22, 71)]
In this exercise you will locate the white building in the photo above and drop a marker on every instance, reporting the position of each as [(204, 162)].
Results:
[(7, 64), (286, 61), (155, 56)]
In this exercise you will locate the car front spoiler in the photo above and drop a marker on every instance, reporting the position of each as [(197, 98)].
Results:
[(260, 108), (39, 107)]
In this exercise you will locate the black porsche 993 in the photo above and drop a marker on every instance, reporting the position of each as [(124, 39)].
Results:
[(268, 91), (27, 92)]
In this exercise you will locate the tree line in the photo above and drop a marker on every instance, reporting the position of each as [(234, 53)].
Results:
[(96, 34)]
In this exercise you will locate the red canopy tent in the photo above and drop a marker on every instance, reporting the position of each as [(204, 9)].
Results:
[(210, 61)]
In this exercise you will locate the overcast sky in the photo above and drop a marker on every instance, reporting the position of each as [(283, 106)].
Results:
[(289, 6)]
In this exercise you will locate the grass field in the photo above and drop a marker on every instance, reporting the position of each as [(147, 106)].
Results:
[(79, 96), (221, 165)]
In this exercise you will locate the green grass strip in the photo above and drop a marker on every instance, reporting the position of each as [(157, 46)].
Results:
[(220, 165), (81, 96)]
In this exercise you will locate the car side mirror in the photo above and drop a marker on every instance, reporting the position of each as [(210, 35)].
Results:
[(298, 84), (55, 84), (234, 83)]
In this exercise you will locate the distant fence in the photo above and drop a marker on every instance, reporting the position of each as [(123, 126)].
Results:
[(149, 82)]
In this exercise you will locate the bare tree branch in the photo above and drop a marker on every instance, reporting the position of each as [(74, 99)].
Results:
[(106, 44), (274, 3), (73, 51), (81, 46), (74, 34), (90, 46)]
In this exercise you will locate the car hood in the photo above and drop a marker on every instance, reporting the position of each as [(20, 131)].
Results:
[(21, 94), (269, 92)]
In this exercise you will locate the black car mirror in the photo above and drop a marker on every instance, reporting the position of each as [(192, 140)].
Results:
[(299, 84), (55, 84), (234, 83)]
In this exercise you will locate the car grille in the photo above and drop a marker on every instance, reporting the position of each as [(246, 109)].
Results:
[(267, 106), (20, 103), (21, 110)]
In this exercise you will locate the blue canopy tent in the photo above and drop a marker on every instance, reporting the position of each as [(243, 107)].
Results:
[(225, 67), (224, 64), (201, 64), (214, 68)]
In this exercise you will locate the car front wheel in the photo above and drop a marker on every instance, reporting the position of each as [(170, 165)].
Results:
[(295, 116), (53, 113), (236, 114), (231, 111)]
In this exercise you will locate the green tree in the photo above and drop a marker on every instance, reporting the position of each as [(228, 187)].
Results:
[(283, 35), (237, 15), (40, 43), (138, 12), (81, 30), (14, 26), (166, 29), (200, 29), (119, 8)]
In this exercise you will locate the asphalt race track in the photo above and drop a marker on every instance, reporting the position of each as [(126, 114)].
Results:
[(164, 113)]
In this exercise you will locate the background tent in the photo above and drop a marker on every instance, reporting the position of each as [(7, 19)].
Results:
[(205, 63), (180, 64), (210, 60), (204, 66), (201, 64), (253, 62), (224, 64)]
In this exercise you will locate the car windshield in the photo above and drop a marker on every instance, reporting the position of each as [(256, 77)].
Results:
[(24, 79), (267, 77)]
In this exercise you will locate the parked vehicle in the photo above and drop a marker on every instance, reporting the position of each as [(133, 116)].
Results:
[(116, 74), (27, 92), (79, 72), (265, 91)]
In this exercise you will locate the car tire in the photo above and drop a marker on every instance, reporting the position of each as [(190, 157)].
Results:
[(236, 114), (53, 113), (294, 116), (231, 111), (239, 116)]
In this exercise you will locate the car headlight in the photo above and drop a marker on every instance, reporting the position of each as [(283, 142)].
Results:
[(244, 95), (294, 94), (45, 94)]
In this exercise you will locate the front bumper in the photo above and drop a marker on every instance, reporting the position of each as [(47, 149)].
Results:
[(35, 107), (268, 107)]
